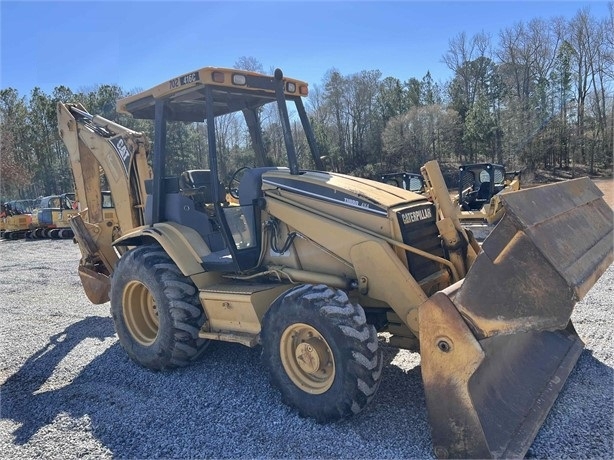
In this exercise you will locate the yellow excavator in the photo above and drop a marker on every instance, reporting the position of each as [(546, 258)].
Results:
[(50, 217), (312, 265), (18, 218), (3, 215)]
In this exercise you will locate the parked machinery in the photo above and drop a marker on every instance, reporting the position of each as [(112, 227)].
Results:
[(311, 265), (18, 219), (408, 181), (50, 217)]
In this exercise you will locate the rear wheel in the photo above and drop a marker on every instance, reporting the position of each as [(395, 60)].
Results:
[(156, 310), (321, 353)]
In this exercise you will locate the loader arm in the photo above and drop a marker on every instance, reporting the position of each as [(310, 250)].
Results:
[(102, 151)]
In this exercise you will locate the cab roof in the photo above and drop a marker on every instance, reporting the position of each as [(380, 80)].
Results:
[(233, 90)]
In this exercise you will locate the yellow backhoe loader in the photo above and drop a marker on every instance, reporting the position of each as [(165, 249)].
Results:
[(311, 265)]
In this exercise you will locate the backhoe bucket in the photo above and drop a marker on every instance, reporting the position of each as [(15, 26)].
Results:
[(498, 346), (96, 285)]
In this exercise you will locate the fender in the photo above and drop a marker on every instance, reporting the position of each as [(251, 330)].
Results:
[(183, 244)]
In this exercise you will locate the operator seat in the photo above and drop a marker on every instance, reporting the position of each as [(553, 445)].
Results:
[(484, 191)]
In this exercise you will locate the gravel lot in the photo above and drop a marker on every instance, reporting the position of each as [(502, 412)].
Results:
[(68, 390)]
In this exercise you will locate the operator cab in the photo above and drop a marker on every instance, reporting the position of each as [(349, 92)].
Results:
[(226, 217), (478, 183), (413, 182)]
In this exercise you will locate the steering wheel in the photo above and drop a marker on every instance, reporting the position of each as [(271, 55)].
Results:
[(235, 180)]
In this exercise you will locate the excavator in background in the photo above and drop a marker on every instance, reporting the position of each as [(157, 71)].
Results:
[(3, 216), (18, 219), (311, 265), (50, 217)]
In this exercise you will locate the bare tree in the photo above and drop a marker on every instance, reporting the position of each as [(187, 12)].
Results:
[(249, 63), (582, 39), (422, 134), (527, 53), (462, 51)]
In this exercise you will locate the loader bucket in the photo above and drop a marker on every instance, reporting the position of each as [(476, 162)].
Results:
[(498, 346)]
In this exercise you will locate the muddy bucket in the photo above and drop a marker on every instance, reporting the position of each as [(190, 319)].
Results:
[(498, 346), (95, 279)]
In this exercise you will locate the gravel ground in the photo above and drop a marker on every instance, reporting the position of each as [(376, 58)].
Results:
[(68, 390)]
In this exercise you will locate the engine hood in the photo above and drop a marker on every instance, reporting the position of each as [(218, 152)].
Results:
[(356, 192)]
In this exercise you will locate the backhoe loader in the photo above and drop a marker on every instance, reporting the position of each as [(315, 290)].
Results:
[(311, 265)]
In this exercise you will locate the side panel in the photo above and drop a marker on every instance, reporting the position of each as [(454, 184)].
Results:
[(373, 263)]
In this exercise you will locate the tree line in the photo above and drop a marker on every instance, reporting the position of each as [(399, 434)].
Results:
[(538, 96)]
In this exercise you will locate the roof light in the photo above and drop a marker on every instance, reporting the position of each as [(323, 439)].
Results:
[(290, 87), (217, 77), (239, 79), (302, 90)]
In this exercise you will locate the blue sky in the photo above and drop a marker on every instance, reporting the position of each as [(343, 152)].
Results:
[(138, 44)]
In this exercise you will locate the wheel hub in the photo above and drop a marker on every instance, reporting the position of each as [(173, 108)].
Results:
[(311, 356), (140, 313), (307, 358)]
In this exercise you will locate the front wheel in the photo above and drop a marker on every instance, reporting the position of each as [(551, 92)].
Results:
[(156, 310), (321, 353)]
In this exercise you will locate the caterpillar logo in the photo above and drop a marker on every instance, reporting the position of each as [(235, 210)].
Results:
[(122, 151), (417, 215)]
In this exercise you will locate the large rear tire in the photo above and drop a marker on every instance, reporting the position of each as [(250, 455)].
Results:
[(156, 310), (321, 353)]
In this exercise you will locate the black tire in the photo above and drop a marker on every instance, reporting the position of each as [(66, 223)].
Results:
[(54, 234), (321, 324), (156, 310), (66, 233)]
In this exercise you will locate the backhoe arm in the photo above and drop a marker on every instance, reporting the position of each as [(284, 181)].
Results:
[(103, 153)]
